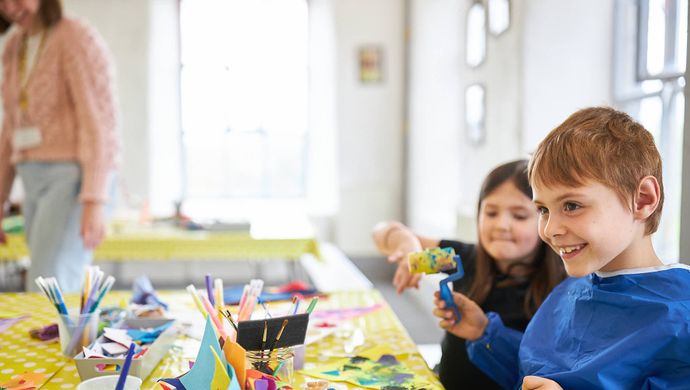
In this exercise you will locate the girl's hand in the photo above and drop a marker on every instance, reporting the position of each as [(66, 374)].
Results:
[(403, 278), (539, 383), (396, 241), (473, 322), (92, 224)]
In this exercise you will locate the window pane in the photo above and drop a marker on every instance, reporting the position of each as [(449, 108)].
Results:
[(475, 45), (499, 16), (232, 165), (244, 90), (667, 238), (666, 39), (682, 35), (656, 36), (475, 113), (649, 116)]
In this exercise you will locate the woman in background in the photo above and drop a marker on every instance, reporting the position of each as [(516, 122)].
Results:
[(510, 271), (58, 134)]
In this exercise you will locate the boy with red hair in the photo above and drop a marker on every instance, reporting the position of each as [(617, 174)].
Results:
[(624, 321)]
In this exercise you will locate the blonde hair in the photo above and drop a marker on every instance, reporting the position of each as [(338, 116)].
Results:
[(604, 145)]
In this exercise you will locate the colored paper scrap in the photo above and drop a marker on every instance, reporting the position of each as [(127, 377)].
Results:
[(334, 315), (374, 373), (201, 374), (143, 293), (8, 320), (236, 356), (233, 294), (220, 379), (148, 336), (48, 333), (25, 381)]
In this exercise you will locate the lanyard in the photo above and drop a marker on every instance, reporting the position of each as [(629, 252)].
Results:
[(23, 95)]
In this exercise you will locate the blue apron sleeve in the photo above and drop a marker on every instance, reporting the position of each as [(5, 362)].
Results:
[(496, 352)]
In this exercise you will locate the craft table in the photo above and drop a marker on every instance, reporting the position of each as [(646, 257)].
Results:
[(183, 245), (20, 353), (169, 243)]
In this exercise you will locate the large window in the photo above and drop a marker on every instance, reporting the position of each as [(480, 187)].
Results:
[(650, 47), (244, 99)]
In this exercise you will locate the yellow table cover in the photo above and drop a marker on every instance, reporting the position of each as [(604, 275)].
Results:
[(19, 353), (183, 245)]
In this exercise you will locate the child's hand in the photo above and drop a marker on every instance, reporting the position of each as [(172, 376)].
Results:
[(473, 322), (403, 278), (539, 383), (397, 241)]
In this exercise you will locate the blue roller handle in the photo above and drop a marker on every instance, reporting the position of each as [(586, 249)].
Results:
[(446, 292)]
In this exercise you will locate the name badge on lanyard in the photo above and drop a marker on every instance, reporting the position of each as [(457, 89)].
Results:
[(26, 137)]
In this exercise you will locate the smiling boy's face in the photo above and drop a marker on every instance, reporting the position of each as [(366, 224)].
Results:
[(588, 226)]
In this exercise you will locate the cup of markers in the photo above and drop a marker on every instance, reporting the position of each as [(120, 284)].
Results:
[(77, 331), (79, 327)]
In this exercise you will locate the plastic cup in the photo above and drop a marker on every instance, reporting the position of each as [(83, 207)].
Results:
[(109, 382), (83, 327)]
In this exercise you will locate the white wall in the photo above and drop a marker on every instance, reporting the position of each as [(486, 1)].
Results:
[(567, 62), (146, 58), (435, 105), (554, 59), (165, 143), (369, 118), (124, 24), (445, 169)]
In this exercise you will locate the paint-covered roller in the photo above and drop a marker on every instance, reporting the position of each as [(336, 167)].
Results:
[(432, 261)]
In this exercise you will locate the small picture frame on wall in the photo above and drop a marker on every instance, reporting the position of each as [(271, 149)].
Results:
[(370, 60)]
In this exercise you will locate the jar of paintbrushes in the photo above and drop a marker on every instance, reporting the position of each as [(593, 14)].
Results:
[(278, 363)]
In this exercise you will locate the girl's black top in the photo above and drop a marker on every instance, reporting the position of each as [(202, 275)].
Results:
[(456, 371)]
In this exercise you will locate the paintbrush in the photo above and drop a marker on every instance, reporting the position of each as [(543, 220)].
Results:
[(280, 333)]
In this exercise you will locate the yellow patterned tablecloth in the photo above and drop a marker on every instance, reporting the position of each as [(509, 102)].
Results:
[(183, 245), (19, 353)]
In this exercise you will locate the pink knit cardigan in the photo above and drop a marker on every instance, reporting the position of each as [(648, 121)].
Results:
[(71, 101)]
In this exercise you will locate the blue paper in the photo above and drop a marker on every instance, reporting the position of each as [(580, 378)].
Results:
[(201, 374), (148, 336), (144, 294), (234, 384), (232, 295)]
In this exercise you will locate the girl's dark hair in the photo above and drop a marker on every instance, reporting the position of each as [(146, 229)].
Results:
[(545, 272), (50, 12)]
